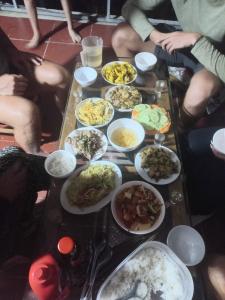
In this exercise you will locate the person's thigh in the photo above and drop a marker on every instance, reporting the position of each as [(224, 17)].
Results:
[(49, 74), (203, 85), (125, 34), (15, 110)]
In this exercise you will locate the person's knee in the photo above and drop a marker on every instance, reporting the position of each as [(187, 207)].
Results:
[(28, 114), (61, 77), (51, 74), (204, 85), (121, 35), (201, 88), (118, 37)]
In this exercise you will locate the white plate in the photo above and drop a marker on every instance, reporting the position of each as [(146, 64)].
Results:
[(144, 172), (149, 187), (89, 209), (119, 62), (127, 87), (68, 147), (94, 99)]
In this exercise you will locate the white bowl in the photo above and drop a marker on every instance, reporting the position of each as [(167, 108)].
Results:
[(145, 61), (187, 244), (112, 65), (60, 164), (147, 186), (130, 124), (218, 140), (85, 76)]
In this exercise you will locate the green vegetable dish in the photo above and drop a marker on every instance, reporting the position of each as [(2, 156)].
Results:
[(159, 163), (91, 185)]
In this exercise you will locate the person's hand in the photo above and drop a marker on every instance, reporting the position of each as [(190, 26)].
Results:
[(217, 153), (75, 37), (13, 85), (157, 37), (25, 62), (179, 40)]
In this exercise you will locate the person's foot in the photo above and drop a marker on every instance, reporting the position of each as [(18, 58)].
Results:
[(34, 42), (75, 37)]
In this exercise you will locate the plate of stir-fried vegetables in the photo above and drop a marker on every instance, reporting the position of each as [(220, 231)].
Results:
[(89, 142), (157, 164), (90, 187)]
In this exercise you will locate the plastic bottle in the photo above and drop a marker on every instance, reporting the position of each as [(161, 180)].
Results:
[(44, 278), (68, 250)]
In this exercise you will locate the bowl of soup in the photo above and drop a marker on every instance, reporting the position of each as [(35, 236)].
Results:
[(125, 134)]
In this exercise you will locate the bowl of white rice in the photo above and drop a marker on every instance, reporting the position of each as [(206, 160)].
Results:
[(152, 271), (60, 164)]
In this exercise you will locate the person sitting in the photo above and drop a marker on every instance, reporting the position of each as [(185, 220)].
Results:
[(204, 168), (200, 46), (32, 13), (23, 76), (22, 175)]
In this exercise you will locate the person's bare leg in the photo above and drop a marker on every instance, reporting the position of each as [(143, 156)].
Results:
[(75, 37), (56, 78), (203, 85), (216, 274), (23, 116), (32, 13), (126, 42)]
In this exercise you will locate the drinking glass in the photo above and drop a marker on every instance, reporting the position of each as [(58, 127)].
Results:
[(91, 55), (159, 139)]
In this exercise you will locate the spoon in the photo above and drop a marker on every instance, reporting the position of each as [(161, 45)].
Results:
[(90, 281)]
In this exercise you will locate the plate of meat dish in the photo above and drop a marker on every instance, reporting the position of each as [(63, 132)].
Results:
[(138, 207), (157, 164)]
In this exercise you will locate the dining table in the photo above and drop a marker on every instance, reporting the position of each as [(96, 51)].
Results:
[(98, 229)]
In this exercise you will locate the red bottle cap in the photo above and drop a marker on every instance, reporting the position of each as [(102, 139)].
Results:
[(66, 245)]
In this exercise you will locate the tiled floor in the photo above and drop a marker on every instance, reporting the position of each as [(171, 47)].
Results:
[(57, 47)]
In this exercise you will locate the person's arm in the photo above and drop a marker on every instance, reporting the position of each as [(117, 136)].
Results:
[(75, 37), (134, 13), (211, 58)]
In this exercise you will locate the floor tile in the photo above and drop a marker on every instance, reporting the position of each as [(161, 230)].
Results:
[(105, 31), (21, 46), (50, 147), (63, 54), (19, 28), (61, 32)]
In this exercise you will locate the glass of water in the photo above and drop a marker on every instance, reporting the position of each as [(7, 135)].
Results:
[(160, 86), (159, 139)]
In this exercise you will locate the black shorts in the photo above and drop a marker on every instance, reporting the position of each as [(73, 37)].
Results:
[(180, 58)]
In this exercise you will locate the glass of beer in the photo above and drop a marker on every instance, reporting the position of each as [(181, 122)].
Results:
[(92, 51)]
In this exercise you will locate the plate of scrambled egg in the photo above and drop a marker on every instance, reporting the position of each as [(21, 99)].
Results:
[(95, 112), (91, 187), (119, 72)]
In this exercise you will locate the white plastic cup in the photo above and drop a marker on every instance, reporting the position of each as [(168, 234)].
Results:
[(218, 141), (91, 55)]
